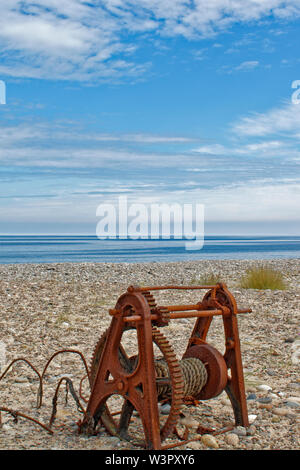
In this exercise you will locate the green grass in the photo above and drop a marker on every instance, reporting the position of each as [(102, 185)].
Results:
[(263, 278), (209, 279)]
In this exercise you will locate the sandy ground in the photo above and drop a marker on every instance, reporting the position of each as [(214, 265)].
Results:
[(49, 307)]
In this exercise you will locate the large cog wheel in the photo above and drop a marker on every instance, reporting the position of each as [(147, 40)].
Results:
[(174, 383)]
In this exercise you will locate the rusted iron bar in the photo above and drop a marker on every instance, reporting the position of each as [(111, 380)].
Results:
[(73, 351), (176, 315), (195, 314), (22, 359), (16, 414), (179, 444), (181, 308), (144, 289), (182, 314), (54, 401), (244, 310)]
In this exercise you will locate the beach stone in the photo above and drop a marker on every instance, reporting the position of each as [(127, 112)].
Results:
[(265, 406), (289, 340), (252, 418), (265, 400), (240, 431), (264, 388), (165, 409), (21, 380), (232, 439), (296, 357), (2, 355), (195, 445), (251, 430), (295, 345), (190, 422), (225, 400), (294, 399), (209, 441), (292, 404), (294, 386), (280, 411), (5, 427), (251, 396)]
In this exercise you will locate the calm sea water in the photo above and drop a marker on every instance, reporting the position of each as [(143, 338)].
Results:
[(59, 249)]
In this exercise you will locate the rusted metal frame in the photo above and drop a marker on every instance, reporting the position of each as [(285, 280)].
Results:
[(218, 301), (201, 327), (127, 384), (235, 387)]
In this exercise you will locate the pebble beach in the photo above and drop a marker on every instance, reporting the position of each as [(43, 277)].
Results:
[(49, 307)]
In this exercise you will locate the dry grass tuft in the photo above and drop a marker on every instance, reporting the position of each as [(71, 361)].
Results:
[(263, 278)]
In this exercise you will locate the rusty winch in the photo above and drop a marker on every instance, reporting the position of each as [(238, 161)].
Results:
[(143, 380)]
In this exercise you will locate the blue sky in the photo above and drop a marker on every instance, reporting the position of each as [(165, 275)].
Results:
[(162, 101)]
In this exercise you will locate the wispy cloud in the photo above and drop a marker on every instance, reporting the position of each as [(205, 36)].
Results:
[(247, 65), (284, 120), (75, 40)]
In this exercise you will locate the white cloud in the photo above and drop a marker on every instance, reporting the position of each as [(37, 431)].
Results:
[(261, 201), (284, 120), (72, 39), (263, 148), (248, 65), (212, 149)]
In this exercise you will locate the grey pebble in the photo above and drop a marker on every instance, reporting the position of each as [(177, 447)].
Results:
[(265, 400), (251, 396), (165, 409), (271, 372), (240, 431), (251, 430), (294, 385), (291, 404)]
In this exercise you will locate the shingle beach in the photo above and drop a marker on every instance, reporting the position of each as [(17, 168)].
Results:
[(49, 307)]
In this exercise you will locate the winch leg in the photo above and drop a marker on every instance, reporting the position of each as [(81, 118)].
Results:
[(235, 387)]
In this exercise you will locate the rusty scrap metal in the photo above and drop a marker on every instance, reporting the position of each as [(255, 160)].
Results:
[(69, 386), (144, 380)]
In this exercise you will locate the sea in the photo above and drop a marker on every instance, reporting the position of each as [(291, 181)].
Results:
[(16, 249)]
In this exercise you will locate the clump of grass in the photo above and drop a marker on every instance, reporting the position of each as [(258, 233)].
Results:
[(208, 279), (263, 278)]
